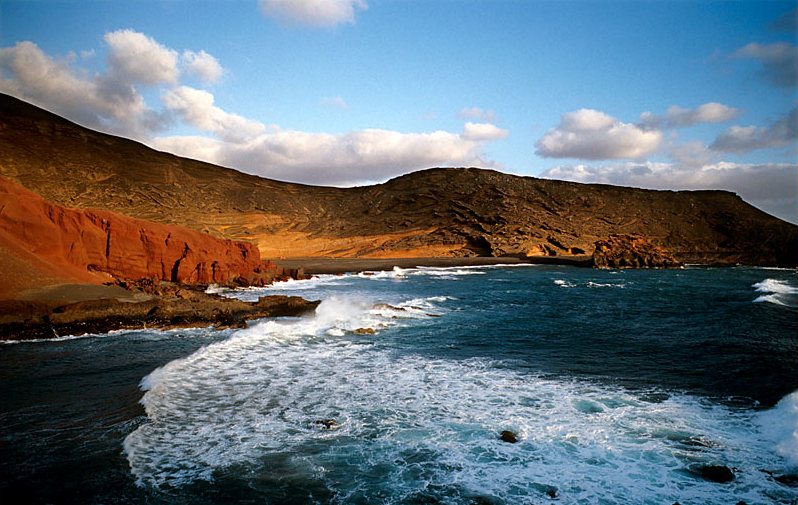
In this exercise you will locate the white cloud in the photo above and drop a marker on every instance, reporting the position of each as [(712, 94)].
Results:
[(312, 12), (335, 102), (771, 187), (136, 58), (98, 101), (594, 135), (678, 117), (487, 116), (322, 158), (741, 139), (779, 61), (483, 131), (202, 65), (196, 107)]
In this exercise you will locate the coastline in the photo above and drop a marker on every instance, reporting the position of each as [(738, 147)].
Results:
[(317, 265), (77, 309)]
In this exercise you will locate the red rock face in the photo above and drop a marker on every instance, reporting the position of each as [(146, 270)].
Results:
[(84, 244)]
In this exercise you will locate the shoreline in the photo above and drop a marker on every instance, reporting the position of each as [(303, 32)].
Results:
[(177, 307), (316, 265)]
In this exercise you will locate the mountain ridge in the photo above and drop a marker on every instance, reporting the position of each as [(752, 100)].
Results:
[(437, 212)]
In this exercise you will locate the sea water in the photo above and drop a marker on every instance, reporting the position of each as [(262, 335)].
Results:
[(619, 385)]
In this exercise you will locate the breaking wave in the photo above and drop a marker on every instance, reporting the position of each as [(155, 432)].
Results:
[(776, 291), (350, 412)]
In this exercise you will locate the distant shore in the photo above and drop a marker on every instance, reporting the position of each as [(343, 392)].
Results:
[(315, 265)]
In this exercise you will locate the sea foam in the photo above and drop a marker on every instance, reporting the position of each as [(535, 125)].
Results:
[(776, 291), (411, 424), (780, 425)]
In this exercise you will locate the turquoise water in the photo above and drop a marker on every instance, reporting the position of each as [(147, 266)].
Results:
[(620, 386)]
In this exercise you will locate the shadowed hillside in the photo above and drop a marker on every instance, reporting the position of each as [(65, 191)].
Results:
[(436, 212)]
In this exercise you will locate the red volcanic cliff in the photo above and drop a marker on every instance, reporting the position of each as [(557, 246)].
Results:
[(47, 241)]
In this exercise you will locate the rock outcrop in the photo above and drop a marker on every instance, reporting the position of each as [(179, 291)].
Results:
[(180, 308), (94, 246), (631, 251)]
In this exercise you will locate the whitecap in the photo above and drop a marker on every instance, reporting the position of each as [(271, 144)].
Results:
[(777, 292), (417, 422), (780, 426)]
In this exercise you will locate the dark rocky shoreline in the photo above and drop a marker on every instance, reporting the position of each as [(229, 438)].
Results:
[(174, 307)]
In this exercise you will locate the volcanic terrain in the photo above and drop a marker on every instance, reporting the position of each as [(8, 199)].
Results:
[(440, 212)]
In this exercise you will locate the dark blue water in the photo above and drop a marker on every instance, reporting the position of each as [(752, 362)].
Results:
[(620, 385)]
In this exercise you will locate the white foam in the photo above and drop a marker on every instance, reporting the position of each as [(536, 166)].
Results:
[(775, 286), (591, 284), (778, 292), (780, 425), (416, 422)]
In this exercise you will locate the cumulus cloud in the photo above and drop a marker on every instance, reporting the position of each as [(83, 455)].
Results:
[(103, 101), (678, 117), (593, 135), (323, 158), (487, 116), (483, 131), (136, 58), (110, 101), (771, 187), (312, 12), (202, 65), (779, 61), (740, 139), (195, 106)]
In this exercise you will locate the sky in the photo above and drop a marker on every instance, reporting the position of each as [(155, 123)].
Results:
[(673, 94)]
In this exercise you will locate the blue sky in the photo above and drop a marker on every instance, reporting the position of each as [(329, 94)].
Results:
[(667, 95)]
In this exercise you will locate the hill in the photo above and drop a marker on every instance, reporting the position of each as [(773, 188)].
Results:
[(440, 212)]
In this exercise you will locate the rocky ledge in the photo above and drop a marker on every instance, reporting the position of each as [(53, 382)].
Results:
[(174, 307), (632, 251)]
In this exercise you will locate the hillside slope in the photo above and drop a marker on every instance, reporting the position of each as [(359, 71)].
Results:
[(435, 212)]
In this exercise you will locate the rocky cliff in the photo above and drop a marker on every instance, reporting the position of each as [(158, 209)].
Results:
[(436, 212), (83, 245)]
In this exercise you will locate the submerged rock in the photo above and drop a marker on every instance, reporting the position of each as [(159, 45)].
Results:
[(715, 473), (327, 424), (508, 436)]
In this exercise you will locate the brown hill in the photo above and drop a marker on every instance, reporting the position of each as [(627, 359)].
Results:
[(436, 212), (42, 243)]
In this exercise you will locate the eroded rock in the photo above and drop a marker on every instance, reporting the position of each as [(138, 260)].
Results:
[(631, 251)]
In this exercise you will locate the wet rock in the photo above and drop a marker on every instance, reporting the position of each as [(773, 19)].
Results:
[(787, 480), (365, 331), (327, 424), (508, 436), (193, 309), (715, 473)]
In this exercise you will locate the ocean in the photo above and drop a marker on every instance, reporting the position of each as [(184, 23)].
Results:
[(619, 387)]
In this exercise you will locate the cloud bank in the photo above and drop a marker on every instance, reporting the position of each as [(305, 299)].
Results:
[(779, 61), (741, 139), (678, 117), (769, 186)]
